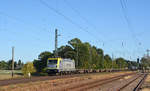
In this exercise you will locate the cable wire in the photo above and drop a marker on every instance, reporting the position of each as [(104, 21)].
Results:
[(129, 24), (67, 18)]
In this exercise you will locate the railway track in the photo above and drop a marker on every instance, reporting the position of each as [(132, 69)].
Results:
[(135, 80), (140, 83), (95, 83), (140, 79), (131, 84), (34, 79)]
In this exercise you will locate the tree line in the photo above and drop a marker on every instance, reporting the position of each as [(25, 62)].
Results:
[(145, 63), (7, 65), (85, 55)]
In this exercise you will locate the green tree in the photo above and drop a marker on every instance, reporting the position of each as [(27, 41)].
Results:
[(107, 62), (145, 62), (85, 55), (131, 64), (121, 63), (9, 64), (115, 65), (100, 58), (19, 62), (75, 44), (41, 63), (19, 65), (3, 65), (89, 57), (28, 68), (94, 64), (66, 52), (37, 65)]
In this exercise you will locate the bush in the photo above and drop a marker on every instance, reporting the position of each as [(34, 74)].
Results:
[(28, 68)]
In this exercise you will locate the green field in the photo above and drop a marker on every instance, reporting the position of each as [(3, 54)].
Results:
[(9, 71), (6, 74)]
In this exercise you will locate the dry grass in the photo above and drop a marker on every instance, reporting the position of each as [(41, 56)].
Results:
[(8, 76), (146, 89), (58, 84), (147, 79)]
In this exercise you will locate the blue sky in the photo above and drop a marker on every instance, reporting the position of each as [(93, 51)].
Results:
[(29, 26)]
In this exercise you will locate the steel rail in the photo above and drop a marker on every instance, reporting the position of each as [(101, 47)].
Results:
[(139, 84), (137, 88)]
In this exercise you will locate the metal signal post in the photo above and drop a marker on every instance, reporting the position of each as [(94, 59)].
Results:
[(56, 53), (56, 42)]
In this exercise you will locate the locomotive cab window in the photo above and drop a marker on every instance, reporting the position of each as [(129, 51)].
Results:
[(52, 61)]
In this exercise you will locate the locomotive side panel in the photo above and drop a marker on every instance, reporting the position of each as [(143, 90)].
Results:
[(67, 65)]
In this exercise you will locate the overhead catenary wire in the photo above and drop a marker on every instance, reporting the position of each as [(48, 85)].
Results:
[(80, 15), (101, 42), (129, 24), (123, 7), (67, 18), (83, 18)]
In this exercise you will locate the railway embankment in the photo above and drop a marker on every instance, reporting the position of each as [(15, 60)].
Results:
[(59, 84)]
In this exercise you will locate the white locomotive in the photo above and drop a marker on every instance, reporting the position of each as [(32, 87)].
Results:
[(59, 65)]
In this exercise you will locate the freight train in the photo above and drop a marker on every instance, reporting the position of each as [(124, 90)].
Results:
[(67, 66)]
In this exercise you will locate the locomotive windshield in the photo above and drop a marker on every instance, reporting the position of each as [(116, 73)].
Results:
[(52, 61)]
